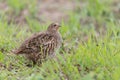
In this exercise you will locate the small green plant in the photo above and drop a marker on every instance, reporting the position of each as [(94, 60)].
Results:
[(18, 6), (1, 57), (88, 52)]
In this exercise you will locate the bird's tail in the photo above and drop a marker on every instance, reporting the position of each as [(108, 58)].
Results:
[(16, 51)]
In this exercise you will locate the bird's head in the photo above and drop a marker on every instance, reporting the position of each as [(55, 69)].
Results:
[(54, 27)]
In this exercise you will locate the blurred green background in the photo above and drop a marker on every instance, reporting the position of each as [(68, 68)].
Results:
[(91, 39)]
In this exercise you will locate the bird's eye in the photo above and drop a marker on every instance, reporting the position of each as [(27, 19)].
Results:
[(54, 25)]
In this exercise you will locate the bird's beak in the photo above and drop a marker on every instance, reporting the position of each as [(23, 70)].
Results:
[(59, 26)]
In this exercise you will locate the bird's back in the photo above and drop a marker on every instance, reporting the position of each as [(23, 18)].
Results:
[(41, 42)]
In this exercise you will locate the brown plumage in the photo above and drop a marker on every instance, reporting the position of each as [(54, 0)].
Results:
[(41, 44)]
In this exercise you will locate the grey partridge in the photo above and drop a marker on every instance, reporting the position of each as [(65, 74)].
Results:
[(42, 44)]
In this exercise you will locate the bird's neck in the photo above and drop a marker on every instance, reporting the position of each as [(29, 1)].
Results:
[(53, 32)]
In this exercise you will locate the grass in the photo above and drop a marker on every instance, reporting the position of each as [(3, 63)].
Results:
[(14, 4), (90, 51)]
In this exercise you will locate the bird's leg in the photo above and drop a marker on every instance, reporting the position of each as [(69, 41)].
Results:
[(53, 56)]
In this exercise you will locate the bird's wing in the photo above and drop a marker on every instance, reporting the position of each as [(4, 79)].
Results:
[(38, 42)]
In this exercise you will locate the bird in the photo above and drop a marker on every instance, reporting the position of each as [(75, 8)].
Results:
[(42, 44)]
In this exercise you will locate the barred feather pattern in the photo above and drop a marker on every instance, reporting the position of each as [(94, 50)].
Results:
[(42, 44), (39, 46)]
